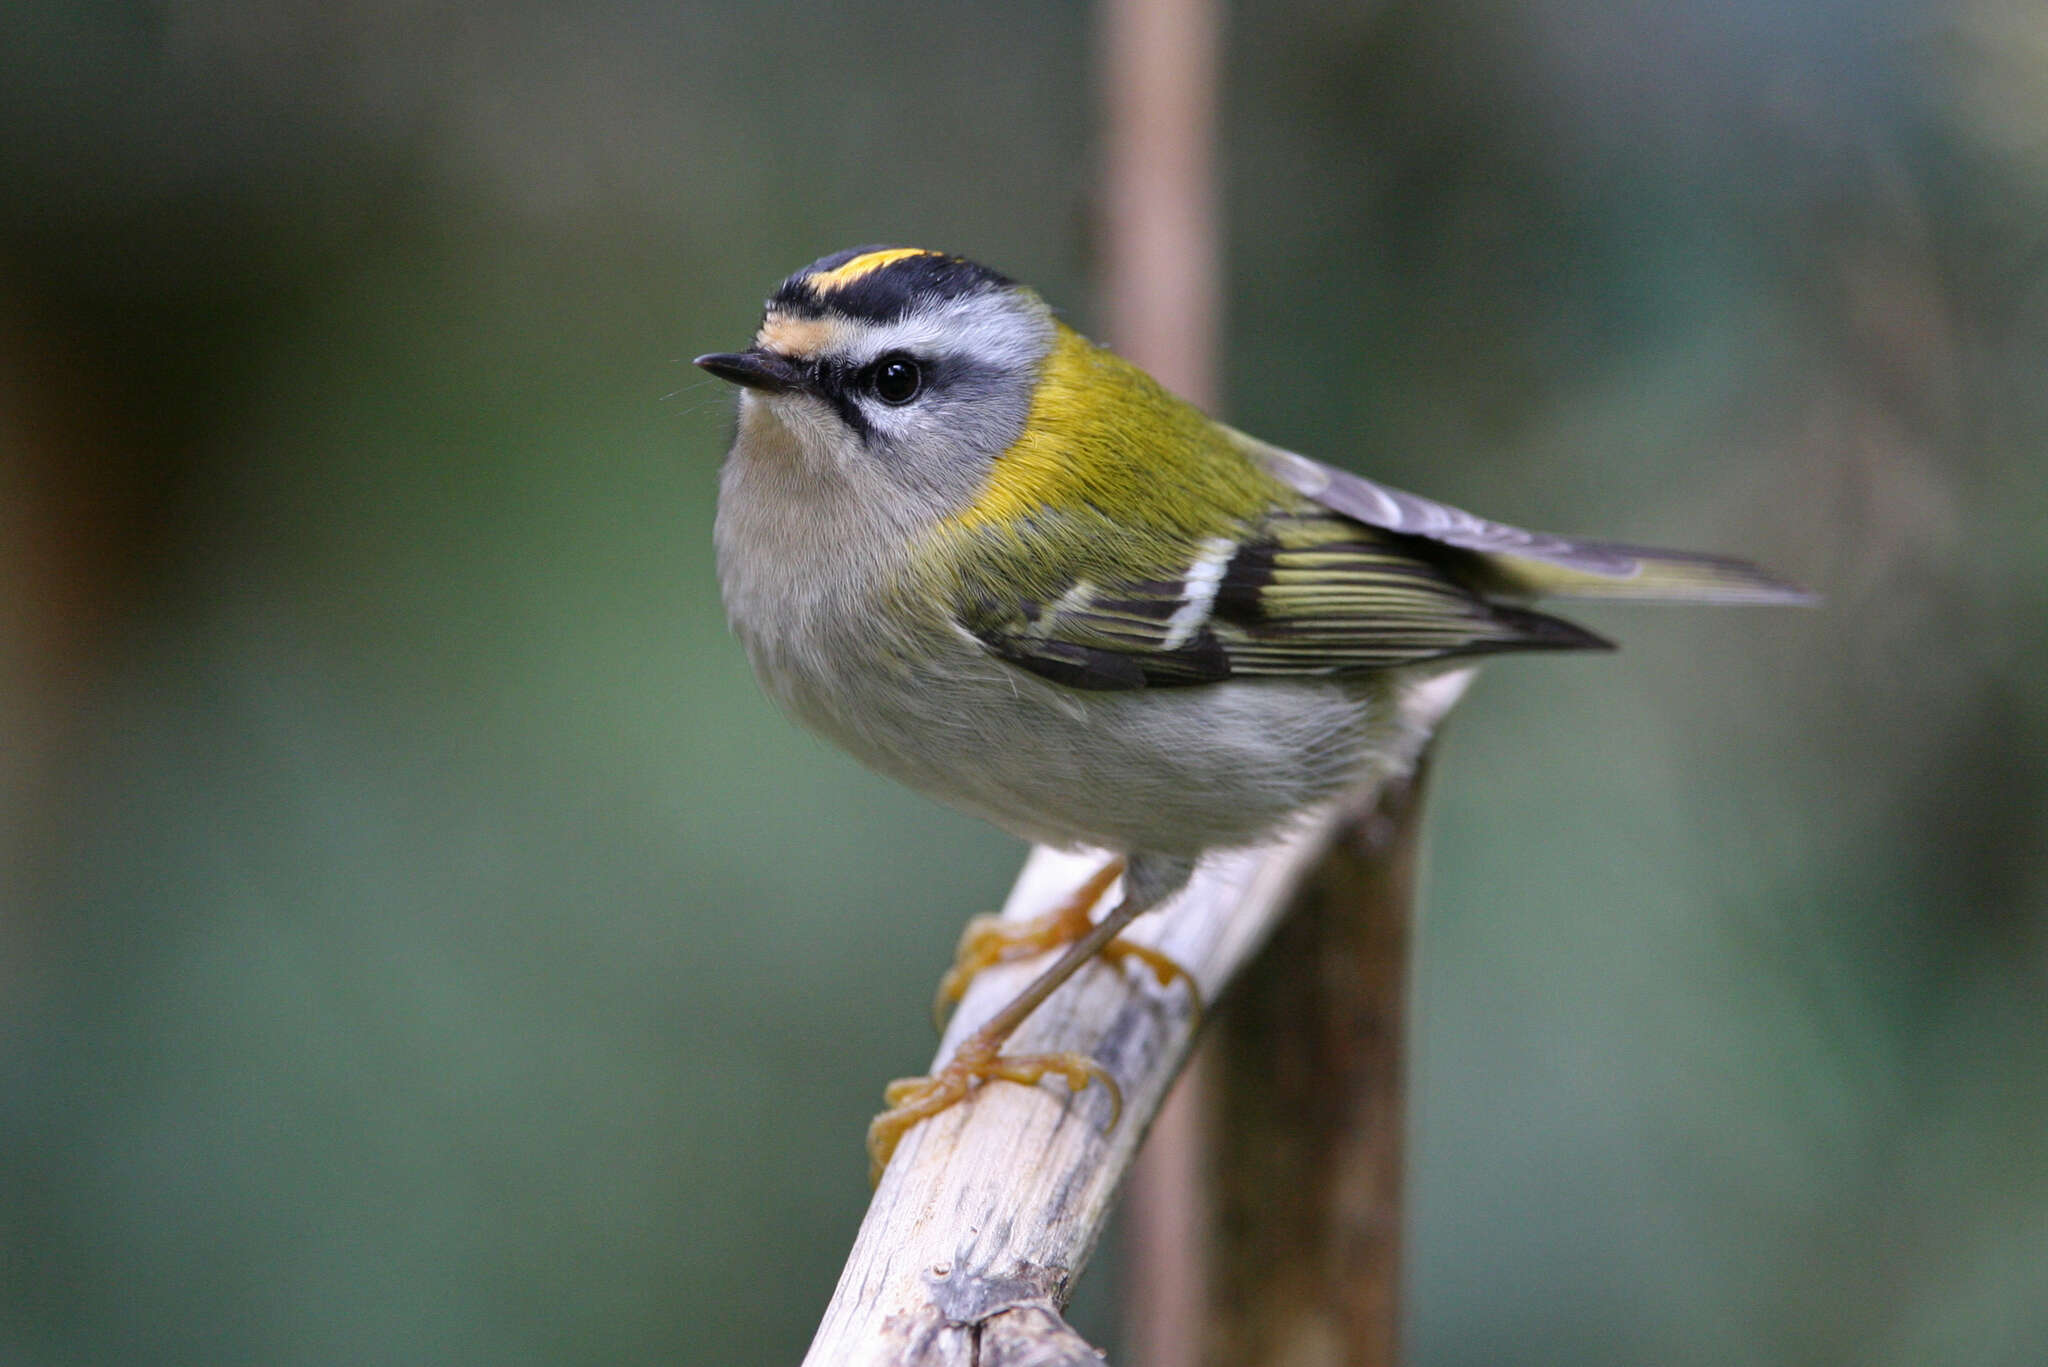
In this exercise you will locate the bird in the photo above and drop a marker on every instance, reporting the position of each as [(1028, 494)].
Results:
[(1000, 563)]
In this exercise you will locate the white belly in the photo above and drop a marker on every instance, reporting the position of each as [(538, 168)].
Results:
[(1171, 771)]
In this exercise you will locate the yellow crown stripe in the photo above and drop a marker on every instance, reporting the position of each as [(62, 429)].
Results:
[(862, 266)]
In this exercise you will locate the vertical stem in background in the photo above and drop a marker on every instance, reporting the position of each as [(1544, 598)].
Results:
[(1162, 293), (1162, 276), (1263, 1224), (1309, 1116)]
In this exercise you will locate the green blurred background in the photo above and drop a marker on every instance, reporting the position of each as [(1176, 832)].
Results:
[(421, 941)]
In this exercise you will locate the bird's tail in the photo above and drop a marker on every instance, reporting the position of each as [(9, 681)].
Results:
[(1522, 562), (1647, 574)]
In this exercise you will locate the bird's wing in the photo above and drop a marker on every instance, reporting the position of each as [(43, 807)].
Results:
[(1297, 591), (1525, 562)]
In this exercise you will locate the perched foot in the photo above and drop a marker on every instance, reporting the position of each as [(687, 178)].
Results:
[(1151, 880), (978, 1060), (990, 940)]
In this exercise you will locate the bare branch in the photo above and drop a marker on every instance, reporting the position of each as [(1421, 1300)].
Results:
[(989, 1211)]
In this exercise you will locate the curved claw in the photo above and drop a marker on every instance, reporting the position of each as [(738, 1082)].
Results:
[(912, 1100), (989, 940), (1164, 969), (984, 942)]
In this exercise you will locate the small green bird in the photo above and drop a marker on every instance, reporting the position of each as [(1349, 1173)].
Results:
[(1003, 565)]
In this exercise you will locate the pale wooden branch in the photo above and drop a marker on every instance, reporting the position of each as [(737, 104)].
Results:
[(989, 1211)]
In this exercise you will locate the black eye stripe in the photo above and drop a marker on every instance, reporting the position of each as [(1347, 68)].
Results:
[(846, 385), (836, 383), (839, 379)]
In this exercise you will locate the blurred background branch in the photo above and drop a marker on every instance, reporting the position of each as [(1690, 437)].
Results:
[(1162, 286), (1310, 1112)]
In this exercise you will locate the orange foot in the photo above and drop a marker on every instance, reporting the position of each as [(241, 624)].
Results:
[(990, 940), (914, 1099)]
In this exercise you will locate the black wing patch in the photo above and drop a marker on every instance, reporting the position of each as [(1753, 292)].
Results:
[(1303, 593), (1105, 638)]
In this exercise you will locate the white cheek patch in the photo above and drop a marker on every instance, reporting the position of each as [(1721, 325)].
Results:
[(993, 329), (888, 422), (1205, 577), (997, 332)]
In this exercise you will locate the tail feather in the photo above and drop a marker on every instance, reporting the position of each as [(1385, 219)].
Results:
[(1647, 574), (1525, 562)]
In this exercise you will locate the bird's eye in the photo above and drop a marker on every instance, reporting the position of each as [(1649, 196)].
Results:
[(896, 378)]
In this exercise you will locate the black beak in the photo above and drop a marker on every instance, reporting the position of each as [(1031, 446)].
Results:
[(756, 369)]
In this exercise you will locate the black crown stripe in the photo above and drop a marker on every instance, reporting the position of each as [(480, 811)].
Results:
[(889, 291)]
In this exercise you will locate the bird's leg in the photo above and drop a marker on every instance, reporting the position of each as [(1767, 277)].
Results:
[(990, 940), (979, 1057)]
